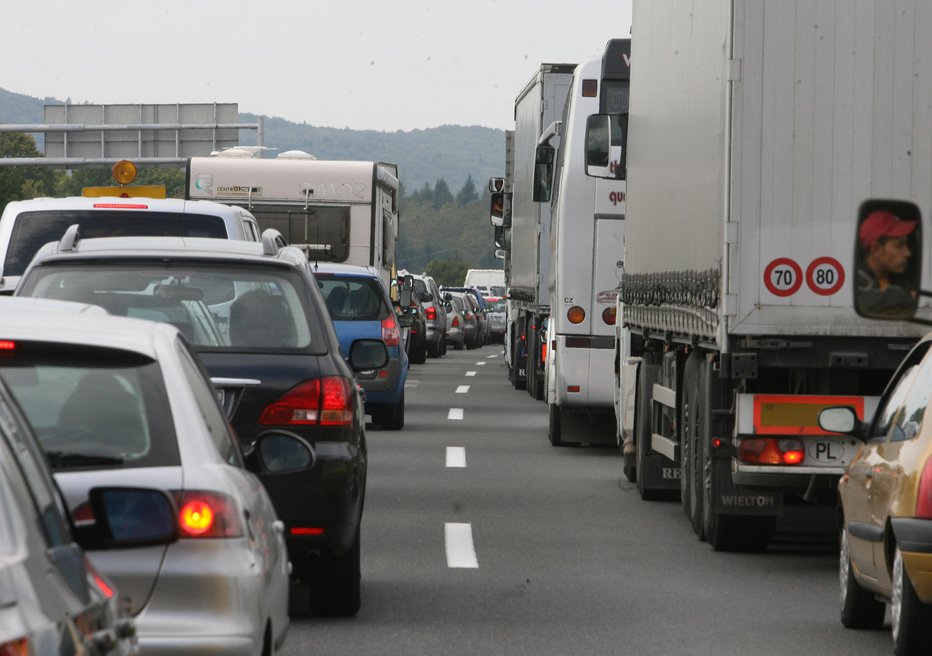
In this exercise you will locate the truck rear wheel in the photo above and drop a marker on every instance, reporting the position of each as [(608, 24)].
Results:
[(693, 433), (729, 532)]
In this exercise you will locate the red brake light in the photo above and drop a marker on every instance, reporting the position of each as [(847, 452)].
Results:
[(543, 351), (431, 313), (338, 402), (608, 316), (102, 584), (771, 451), (321, 401), (390, 334), (121, 206), (7, 345), (924, 493), (306, 530), (456, 321), (207, 515)]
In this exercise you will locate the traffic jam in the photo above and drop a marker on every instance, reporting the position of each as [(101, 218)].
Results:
[(712, 307)]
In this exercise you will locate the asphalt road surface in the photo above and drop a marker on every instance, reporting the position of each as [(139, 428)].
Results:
[(480, 538)]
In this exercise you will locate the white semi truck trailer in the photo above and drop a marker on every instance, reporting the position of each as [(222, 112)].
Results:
[(756, 131)]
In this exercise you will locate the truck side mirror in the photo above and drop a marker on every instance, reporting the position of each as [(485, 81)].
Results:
[(543, 174), (497, 209), (888, 260)]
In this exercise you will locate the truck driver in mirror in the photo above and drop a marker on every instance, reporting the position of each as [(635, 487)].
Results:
[(884, 289)]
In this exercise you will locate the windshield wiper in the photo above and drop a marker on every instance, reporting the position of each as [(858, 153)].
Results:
[(68, 459)]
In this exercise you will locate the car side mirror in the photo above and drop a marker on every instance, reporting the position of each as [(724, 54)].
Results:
[(842, 419), (426, 297), (127, 517), (280, 452), (368, 354), (888, 260)]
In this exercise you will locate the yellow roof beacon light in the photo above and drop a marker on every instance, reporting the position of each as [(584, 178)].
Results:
[(124, 172)]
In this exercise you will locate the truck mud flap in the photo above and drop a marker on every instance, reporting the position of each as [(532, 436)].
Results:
[(659, 473), (731, 499)]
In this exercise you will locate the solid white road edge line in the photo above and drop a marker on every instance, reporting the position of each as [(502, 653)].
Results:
[(462, 389), (460, 550), (456, 456), (455, 414)]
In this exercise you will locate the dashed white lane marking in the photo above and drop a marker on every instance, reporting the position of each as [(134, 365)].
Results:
[(455, 414), (462, 389), (411, 382), (460, 550), (491, 356), (470, 373), (456, 456), (480, 364)]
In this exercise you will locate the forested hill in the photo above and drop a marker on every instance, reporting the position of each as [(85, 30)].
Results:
[(450, 152)]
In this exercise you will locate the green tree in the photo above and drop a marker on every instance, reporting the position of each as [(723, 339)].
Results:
[(451, 271), (468, 193), (442, 194), (22, 182)]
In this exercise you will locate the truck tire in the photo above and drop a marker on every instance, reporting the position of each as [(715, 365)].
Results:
[(729, 532), (692, 432), (859, 608), (555, 426)]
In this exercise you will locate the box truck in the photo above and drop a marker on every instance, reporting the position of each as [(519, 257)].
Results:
[(756, 131)]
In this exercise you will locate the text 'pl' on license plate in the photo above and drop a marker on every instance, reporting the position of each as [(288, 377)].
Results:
[(829, 452)]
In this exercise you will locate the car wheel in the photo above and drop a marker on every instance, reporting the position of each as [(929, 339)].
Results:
[(393, 417), (909, 618), (555, 427), (443, 346), (433, 350), (418, 354), (859, 608), (338, 587)]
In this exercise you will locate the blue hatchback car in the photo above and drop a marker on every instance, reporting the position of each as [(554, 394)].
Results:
[(360, 307)]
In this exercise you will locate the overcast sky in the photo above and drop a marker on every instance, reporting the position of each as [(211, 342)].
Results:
[(394, 65)]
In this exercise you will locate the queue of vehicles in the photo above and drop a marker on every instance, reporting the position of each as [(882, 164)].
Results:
[(700, 233), (199, 347)]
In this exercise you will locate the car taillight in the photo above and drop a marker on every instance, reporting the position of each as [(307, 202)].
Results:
[(431, 313), (456, 322), (203, 514), (543, 351), (320, 401), (771, 451), (924, 493), (7, 345), (608, 315), (390, 334), (467, 316), (18, 647), (102, 584)]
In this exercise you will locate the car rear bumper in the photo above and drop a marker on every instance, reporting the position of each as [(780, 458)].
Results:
[(385, 388)]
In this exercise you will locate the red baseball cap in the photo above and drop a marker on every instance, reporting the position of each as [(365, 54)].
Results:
[(883, 224)]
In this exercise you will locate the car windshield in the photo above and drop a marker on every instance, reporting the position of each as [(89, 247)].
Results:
[(32, 230), (92, 407), (352, 298), (231, 308)]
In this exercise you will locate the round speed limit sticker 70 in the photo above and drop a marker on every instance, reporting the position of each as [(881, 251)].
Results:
[(783, 277)]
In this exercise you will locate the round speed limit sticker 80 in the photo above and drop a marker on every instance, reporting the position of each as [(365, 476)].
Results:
[(825, 276)]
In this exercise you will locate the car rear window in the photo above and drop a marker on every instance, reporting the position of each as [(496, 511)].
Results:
[(32, 230), (352, 298), (92, 408), (496, 306), (222, 307), (321, 231)]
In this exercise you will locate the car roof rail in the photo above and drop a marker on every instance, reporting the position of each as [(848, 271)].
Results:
[(272, 241), (69, 240)]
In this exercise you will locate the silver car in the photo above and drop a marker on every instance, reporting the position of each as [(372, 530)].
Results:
[(125, 402)]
